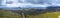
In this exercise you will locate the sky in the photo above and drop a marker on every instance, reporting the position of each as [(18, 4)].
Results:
[(16, 4)]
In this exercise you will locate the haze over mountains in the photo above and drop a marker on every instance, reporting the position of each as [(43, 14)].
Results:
[(19, 4)]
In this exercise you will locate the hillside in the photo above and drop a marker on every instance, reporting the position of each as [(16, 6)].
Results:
[(47, 15), (8, 14)]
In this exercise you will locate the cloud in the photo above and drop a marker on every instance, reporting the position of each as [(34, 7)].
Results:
[(16, 4)]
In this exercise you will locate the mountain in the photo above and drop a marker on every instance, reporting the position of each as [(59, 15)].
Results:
[(10, 8), (19, 8)]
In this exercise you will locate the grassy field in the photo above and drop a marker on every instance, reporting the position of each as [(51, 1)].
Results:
[(9, 14), (47, 15)]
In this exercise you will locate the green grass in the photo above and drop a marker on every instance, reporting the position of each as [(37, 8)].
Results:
[(9, 14), (47, 15)]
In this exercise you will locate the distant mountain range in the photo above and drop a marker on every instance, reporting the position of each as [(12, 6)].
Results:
[(19, 8)]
